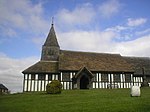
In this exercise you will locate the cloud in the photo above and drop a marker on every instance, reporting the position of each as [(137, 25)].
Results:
[(138, 47), (146, 31), (109, 8), (104, 41), (128, 44), (10, 71), (126, 32), (136, 22), (22, 15), (38, 40), (82, 14), (117, 28), (121, 32), (86, 13), (8, 32), (86, 40)]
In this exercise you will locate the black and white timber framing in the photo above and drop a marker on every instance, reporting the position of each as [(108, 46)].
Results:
[(38, 82)]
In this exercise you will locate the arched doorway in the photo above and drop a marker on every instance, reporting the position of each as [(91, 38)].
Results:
[(83, 79), (84, 82)]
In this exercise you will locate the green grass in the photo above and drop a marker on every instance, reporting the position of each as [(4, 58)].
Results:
[(100, 100)]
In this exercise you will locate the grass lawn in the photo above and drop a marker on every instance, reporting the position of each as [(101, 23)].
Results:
[(99, 100)]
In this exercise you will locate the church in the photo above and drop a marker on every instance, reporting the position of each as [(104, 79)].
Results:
[(84, 70)]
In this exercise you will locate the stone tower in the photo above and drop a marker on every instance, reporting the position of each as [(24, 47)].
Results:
[(50, 49)]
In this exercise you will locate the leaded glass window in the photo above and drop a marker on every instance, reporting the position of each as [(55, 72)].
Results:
[(94, 78), (117, 78), (127, 77), (66, 76), (104, 77), (32, 76), (41, 77), (148, 78), (49, 77)]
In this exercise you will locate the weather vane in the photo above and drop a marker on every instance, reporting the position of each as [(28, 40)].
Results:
[(52, 20)]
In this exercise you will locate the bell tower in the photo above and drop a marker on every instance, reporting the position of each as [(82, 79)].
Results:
[(50, 49)]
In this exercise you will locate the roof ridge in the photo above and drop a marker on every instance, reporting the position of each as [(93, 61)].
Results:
[(47, 61), (89, 52)]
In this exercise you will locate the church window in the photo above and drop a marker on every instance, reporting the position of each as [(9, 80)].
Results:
[(104, 77), (117, 78), (66, 76), (127, 78), (94, 78), (148, 78), (32, 76), (41, 77), (50, 77)]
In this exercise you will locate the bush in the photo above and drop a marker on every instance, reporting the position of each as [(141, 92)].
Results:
[(54, 87)]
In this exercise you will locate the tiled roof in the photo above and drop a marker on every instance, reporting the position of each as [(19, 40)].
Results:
[(71, 60), (139, 63), (74, 61), (43, 67)]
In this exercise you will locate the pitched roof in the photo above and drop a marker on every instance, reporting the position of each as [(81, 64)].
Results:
[(71, 60), (83, 69), (138, 63), (43, 67), (3, 87), (51, 39)]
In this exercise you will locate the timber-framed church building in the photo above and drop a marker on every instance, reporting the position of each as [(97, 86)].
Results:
[(84, 70)]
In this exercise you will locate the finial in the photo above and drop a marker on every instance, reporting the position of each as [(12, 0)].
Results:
[(52, 21)]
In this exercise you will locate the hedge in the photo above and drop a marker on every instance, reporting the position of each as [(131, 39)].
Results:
[(55, 87)]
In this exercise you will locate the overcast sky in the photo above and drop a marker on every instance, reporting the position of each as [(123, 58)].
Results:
[(104, 26)]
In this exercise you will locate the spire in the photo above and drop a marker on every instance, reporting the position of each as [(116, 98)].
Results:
[(51, 38), (50, 49)]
